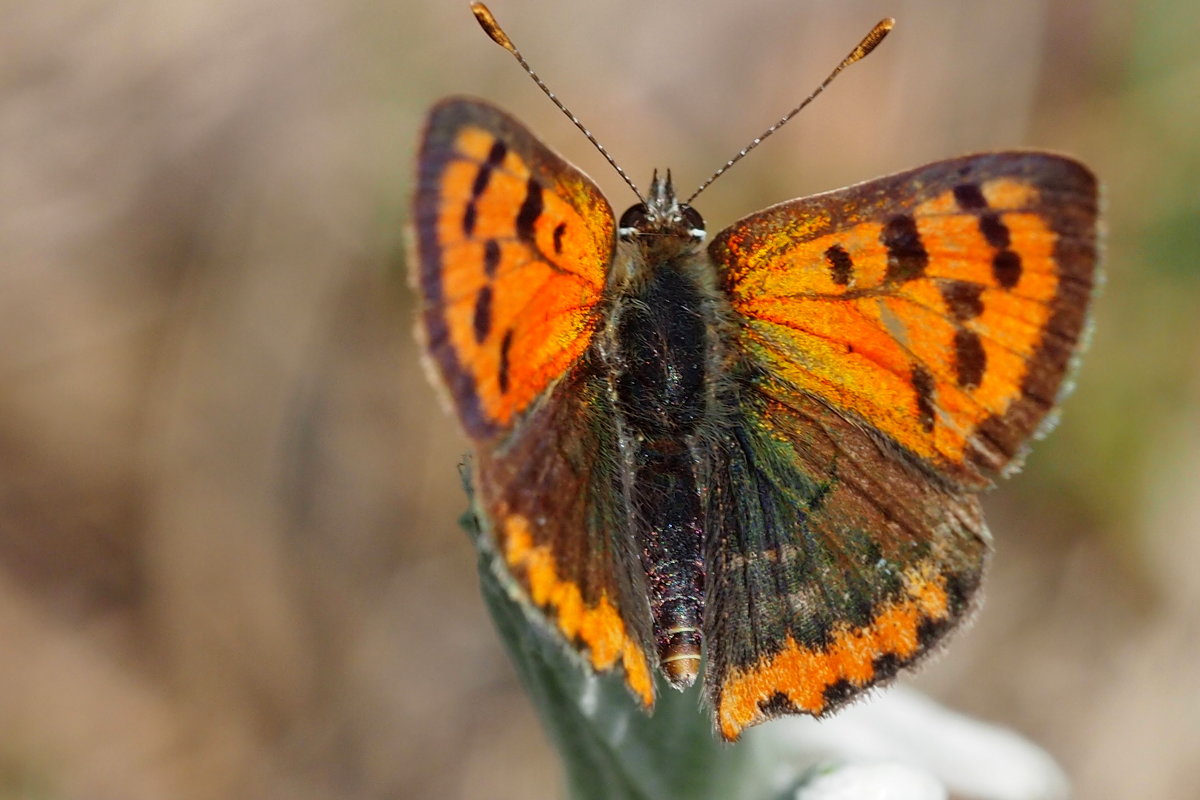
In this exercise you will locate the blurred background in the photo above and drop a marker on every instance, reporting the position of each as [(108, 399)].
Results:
[(229, 558)]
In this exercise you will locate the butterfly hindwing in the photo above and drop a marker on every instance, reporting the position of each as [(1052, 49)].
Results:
[(941, 306), (833, 561), (552, 499), (513, 246)]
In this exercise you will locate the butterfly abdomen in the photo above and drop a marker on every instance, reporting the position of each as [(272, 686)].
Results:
[(658, 360)]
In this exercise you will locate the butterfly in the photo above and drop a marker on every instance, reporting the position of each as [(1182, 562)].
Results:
[(757, 457)]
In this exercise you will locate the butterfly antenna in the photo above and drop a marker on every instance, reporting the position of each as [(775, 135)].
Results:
[(492, 28), (869, 43)]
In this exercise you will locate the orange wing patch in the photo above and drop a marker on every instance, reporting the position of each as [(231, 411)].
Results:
[(598, 626), (927, 319), (802, 679), (514, 247)]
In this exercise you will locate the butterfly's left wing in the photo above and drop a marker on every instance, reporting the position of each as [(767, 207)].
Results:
[(902, 340), (513, 247)]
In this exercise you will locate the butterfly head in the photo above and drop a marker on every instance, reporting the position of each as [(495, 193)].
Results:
[(662, 215)]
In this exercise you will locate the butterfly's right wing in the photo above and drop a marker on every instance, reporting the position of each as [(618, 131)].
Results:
[(513, 246), (901, 340)]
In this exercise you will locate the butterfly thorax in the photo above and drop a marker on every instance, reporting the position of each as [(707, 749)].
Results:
[(658, 350)]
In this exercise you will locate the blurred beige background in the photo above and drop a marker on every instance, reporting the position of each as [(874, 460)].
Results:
[(229, 559)]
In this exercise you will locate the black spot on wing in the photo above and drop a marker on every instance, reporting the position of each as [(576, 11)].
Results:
[(484, 175), (468, 222), (559, 230), (496, 154), (963, 298), (502, 370), (491, 257), (841, 267), (479, 186), (922, 383), (482, 321), (886, 665), (838, 692), (531, 209), (970, 359), (1006, 268), (776, 705), (907, 257), (960, 587), (969, 197), (994, 231), (930, 630)]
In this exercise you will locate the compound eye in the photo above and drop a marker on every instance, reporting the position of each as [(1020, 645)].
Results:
[(693, 221), (632, 221)]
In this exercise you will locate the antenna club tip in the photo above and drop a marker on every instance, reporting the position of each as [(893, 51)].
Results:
[(487, 21), (872, 40)]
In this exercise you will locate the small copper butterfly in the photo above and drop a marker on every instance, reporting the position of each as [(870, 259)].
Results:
[(759, 457)]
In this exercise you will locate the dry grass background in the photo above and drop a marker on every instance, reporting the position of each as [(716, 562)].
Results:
[(229, 564)]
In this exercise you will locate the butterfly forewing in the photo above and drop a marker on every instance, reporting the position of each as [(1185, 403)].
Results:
[(513, 246), (940, 306)]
